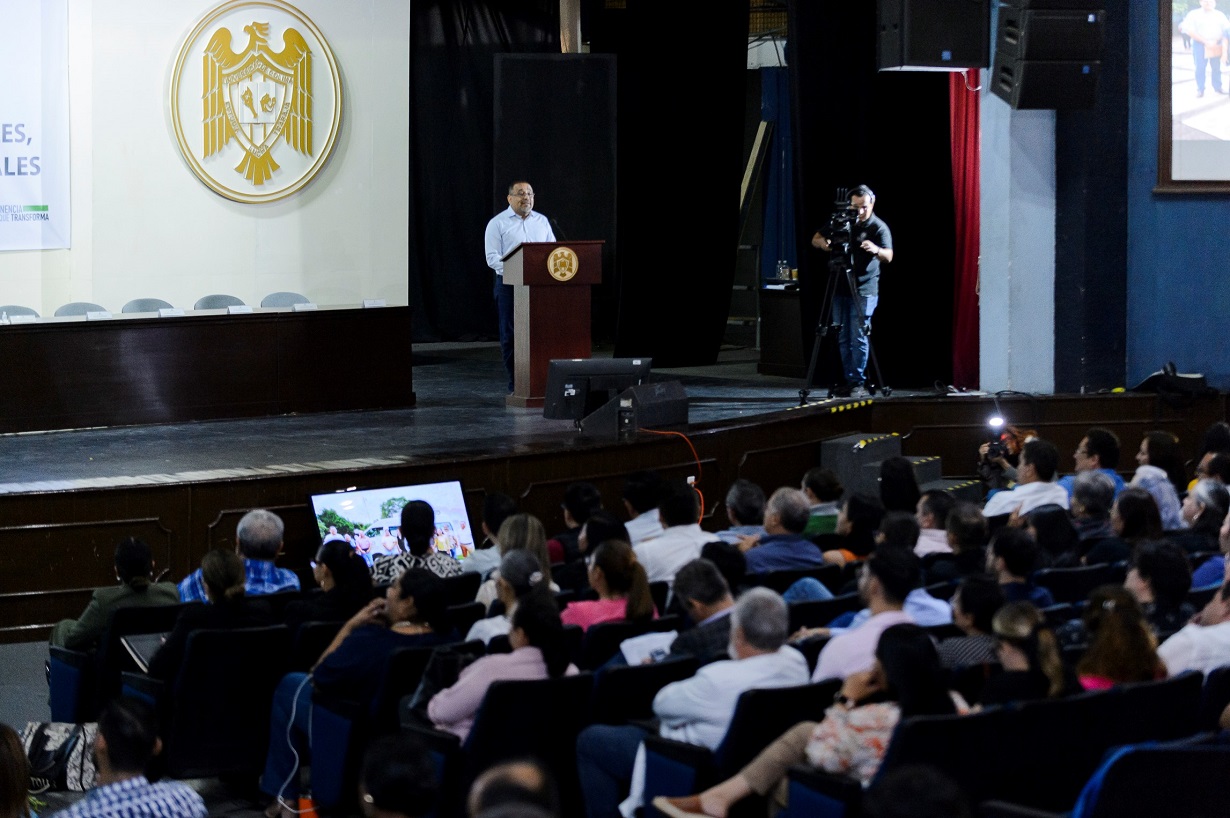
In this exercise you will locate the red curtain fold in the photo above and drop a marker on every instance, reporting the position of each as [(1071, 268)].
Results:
[(963, 126)]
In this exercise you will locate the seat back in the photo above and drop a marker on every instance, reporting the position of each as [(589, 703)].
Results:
[(602, 640), (217, 720), (964, 747), (16, 309), (764, 714), (538, 719), (819, 613), (462, 617), (146, 305), (622, 694), (1176, 778), (309, 641), (1075, 584), (1215, 697), (113, 658), (828, 575), (217, 301), (78, 308), (462, 588), (284, 299)]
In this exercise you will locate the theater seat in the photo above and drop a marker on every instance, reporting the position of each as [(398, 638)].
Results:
[(146, 305), (284, 299), (78, 308), (16, 309), (217, 301)]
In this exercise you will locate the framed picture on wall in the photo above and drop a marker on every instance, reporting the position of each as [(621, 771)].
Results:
[(1194, 97)]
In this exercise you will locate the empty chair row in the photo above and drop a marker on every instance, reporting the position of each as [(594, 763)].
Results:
[(217, 301)]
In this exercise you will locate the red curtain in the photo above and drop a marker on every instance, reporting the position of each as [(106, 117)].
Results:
[(963, 120)]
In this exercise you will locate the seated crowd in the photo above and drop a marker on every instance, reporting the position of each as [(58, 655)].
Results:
[(935, 587)]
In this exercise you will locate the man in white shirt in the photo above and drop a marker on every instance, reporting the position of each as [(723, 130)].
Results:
[(641, 494), (1035, 482), (1204, 643), (696, 710), (506, 232), (932, 516), (681, 538), (1207, 27)]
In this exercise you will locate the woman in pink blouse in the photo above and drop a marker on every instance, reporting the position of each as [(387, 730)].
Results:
[(622, 586), (906, 680), (539, 652)]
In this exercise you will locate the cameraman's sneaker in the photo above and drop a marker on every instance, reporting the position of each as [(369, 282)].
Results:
[(859, 391)]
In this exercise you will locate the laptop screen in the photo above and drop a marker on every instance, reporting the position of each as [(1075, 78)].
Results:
[(369, 519)]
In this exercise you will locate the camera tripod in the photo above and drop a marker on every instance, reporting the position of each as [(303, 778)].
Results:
[(840, 266)]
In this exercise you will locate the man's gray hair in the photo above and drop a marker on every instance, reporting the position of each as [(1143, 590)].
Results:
[(761, 614), (791, 507), (745, 500), (1094, 491), (259, 535)]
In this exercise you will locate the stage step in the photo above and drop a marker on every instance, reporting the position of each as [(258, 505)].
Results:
[(926, 470), (847, 455), (967, 490)]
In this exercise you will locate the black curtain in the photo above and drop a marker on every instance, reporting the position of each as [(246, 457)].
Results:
[(453, 44), (889, 130)]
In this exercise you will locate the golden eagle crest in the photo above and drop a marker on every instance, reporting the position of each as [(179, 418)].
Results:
[(257, 95)]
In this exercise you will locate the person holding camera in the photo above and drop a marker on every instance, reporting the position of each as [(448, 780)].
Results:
[(870, 243), (1035, 482)]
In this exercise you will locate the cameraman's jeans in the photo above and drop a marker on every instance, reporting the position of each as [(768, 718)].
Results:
[(852, 338)]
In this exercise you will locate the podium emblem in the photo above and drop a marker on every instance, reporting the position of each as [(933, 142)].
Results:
[(562, 264), (278, 95)]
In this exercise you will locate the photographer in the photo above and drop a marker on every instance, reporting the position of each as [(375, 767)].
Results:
[(859, 241)]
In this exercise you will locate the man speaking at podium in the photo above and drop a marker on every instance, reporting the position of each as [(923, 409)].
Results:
[(505, 232)]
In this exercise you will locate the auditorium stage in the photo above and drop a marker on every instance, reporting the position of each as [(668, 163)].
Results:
[(459, 413)]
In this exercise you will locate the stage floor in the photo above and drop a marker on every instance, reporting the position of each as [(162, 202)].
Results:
[(460, 413)]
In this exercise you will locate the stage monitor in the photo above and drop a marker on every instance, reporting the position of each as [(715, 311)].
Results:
[(577, 387), (370, 519)]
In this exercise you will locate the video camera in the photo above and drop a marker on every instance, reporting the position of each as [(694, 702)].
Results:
[(838, 230)]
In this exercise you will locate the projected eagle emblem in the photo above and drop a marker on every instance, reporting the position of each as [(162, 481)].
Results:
[(257, 96)]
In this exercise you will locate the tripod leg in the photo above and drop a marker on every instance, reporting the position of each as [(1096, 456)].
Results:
[(822, 329)]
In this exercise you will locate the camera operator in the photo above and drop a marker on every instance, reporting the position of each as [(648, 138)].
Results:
[(869, 243)]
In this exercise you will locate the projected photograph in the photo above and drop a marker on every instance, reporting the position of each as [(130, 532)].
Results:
[(1194, 103), (369, 520)]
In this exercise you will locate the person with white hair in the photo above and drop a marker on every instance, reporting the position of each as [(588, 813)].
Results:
[(258, 539)]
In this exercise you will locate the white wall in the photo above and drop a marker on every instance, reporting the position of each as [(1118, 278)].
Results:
[(143, 225)]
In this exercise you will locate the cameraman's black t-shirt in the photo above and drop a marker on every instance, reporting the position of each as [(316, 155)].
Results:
[(866, 266)]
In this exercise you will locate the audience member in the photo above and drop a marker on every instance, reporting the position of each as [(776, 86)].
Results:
[(899, 528), (744, 511), (134, 566), (697, 710), (681, 538), (519, 574), (1204, 643), (1121, 649), (622, 586), (1213, 465), (1204, 510), (898, 484), (259, 540), (1093, 499), (520, 782), (345, 582), (1035, 486), (643, 492), (1159, 577), (14, 775), (920, 605), (1011, 559), (398, 779), (417, 533), (974, 605), (519, 532), (1098, 452), (905, 679), (351, 668), (706, 599), (601, 526), (730, 561), (229, 607), (931, 513), (824, 491), (1053, 531), (1028, 652), (885, 579), (1162, 450), (1135, 517), (539, 651), (580, 500), (126, 743), (782, 547), (967, 537), (497, 507), (855, 536), (1213, 570)]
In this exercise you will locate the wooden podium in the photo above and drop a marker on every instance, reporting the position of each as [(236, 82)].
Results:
[(550, 309)]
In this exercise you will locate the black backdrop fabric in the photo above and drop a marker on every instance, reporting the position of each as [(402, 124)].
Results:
[(889, 130)]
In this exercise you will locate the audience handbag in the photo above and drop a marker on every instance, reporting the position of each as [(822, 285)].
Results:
[(61, 755)]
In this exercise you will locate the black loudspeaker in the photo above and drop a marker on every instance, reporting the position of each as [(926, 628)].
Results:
[(1048, 58), (943, 35), (645, 406), (1085, 5)]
